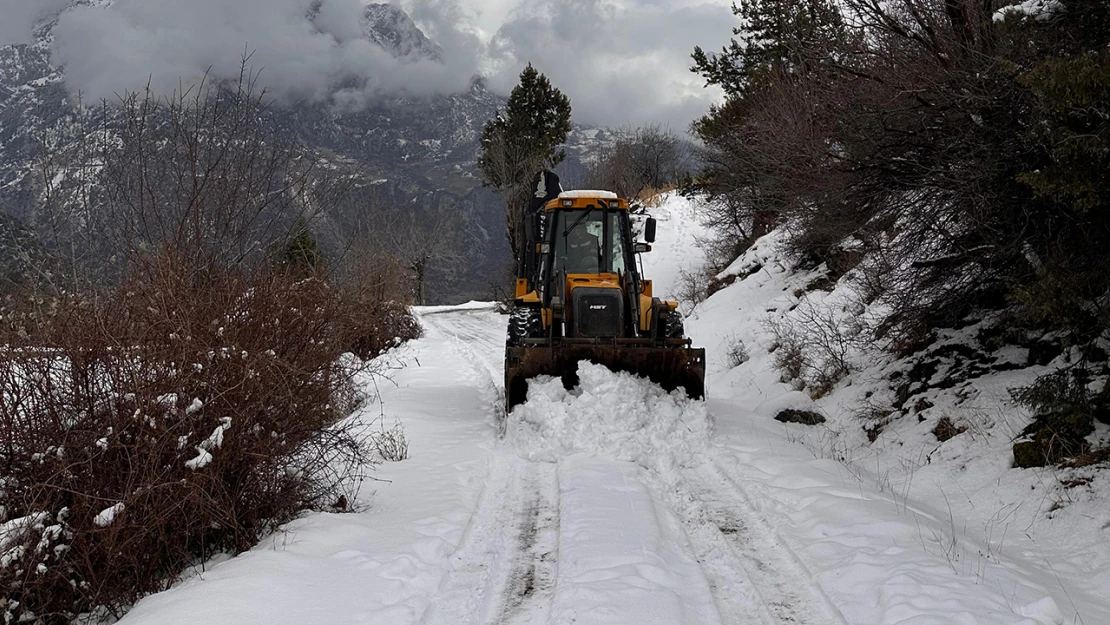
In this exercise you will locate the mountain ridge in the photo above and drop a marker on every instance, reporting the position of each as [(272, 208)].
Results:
[(423, 148)]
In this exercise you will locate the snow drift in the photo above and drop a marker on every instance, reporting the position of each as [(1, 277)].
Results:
[(616, 416)]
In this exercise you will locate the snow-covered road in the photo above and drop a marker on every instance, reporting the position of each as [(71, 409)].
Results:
[(620, 504), (606, 506), (615, 504)]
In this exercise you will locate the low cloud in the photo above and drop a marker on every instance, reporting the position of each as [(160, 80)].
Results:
[(20, 16), (620, 63), (122, 46)]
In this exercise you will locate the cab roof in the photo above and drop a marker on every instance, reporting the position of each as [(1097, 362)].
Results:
[(585, 199), (608, 195)]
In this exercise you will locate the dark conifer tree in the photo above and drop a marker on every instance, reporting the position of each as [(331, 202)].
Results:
[(521, 141)]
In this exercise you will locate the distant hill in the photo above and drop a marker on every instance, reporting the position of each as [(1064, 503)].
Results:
[(418, 153)]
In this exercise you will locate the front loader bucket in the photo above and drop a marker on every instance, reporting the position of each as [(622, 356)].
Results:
[(671, 367)]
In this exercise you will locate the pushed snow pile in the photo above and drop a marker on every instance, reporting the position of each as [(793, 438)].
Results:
[(617, 416)]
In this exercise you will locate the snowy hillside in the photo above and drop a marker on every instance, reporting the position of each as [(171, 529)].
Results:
[(619, 504), (948, 512)]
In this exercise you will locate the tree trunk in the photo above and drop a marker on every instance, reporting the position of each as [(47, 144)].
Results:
[(420, 266), (763, 222)]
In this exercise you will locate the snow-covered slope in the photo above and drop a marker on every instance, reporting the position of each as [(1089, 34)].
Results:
[(675, 250), (617, 503), (914, 524)]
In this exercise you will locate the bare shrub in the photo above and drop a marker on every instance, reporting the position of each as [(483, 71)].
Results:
[(814, 345), (736, 352), (370, 326), (376, 287), (692, 288), (190, 395), (641, 164), (202, 409), (788, 355), (721, 246), (929, 132), (350, 394), (392, 444)]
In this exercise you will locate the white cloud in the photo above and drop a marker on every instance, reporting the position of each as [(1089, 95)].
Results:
[(108, 49), (18, 17), (620, 61)]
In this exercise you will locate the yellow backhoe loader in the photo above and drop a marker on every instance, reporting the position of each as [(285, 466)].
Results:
[(579, 296)]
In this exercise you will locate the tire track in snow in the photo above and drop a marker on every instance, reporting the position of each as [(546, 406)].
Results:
[(472, 337), (786, 589), (531, 583), (504, 568), (737, 597), (504, 571), (473, 591)]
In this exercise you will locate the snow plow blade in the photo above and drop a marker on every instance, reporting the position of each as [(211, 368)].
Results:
[(671, 366)]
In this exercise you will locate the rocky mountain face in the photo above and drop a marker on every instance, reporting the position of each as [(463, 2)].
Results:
[(393, 30), (417, 153)]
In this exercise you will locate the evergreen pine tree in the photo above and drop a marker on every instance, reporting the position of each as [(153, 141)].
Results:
[(301, 255), (776, 36), (521, 141), (1070, 118)]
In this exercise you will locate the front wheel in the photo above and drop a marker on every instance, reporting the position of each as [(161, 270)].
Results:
[(675, 328), (524, 323)]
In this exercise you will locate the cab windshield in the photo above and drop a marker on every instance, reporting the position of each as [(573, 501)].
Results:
[(590, 241)]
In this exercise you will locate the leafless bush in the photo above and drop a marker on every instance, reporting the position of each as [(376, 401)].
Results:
[(350, 394), (736, 352), (899, 134), (371, 325), (189, 396), (813, 346), (376, 288), (202, 410), (391, 444), (788, 355), (640, 163), (692, 288), (722, 248)]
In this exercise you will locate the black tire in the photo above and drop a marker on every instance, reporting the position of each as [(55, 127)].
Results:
[(675, 328), (523, 323)]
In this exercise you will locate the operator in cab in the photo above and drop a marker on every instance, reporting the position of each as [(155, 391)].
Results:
[(583, 251)]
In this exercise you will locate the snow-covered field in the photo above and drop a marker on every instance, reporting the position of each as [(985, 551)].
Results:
[(620, 504)]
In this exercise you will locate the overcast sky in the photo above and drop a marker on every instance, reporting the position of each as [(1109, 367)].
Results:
[(621, 61)]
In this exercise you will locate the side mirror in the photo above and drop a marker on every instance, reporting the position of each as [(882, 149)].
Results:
[(649, 230), (640, 248)]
